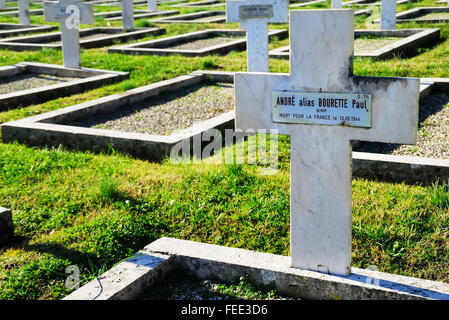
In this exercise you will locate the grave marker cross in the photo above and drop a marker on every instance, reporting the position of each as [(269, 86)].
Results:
[(321, 196), (152, 5), (24, 12), (128, 14), (69, 13), (253, 16), (388, 15), (2, 4)]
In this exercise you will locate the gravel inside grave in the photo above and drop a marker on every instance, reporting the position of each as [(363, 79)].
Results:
[(204, 43), (367, 45), (168, 113), (184, 286), (30, 81), (433, 134)]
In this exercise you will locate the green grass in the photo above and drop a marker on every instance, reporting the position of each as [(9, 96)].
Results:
[(93, 210)]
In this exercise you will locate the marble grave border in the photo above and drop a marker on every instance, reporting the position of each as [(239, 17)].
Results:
[(216, 16), (138, 14), (13, 29), (47, 129), (159, 46), (89, 79), (108, 37), (201, 4), (370, 2), (414, 38), (131, 277), (15, 12)]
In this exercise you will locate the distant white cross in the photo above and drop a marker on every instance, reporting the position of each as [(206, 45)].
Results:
[(336, 4), (152, 5), (323, 107), (128, 14), (24, 12), (69, 13), (2, 4), (388, 15), (254, 15)]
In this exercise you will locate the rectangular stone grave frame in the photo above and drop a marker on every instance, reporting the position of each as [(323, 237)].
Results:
[(157, 46), (112, 3), (46, 129), (12, 29), (201, 4), (364, 3), (90, 79), (38, 42), (305, 3), (410, 15), (128, 279), (138, 14), (216, 16), (15, 13), (415, 38)]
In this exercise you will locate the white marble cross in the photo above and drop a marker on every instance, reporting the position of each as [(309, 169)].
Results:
[(336, 4), (388, 15), (2, 4), (253, 16), (128, 14), (321, 62), (24, 12), (69, 13), (152, 5)]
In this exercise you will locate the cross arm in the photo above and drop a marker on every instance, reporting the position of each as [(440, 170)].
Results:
[(253, 100), (56, 11), (395, 106)]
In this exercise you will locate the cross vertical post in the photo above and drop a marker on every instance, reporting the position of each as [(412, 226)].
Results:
[(24, 12), (323, 108), (254, 15), (128, 14), (2, 4), (388, 15), (152, 5), (69, 13)]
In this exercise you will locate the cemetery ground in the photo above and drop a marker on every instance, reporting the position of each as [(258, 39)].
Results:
[(94, 210)]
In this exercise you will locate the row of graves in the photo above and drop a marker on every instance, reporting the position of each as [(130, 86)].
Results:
[(320, 104)]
